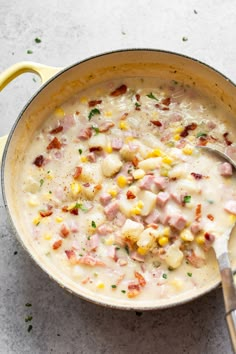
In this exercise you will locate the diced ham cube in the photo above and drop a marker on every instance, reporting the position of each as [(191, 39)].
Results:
[(93, 242), (225, 169), (137, 257), (147, 182), (162, 198), (120, 219), (91, 157), (116, 143), (177, 221), (195, 227), (106, 126), (161, 182), (90, 261), (111, 210), (104, 229), (153, 217), (105, 198), (71, 255), (122, 262), (67, 122), (230, 206), (64, 231), (195, 260), (85, 134), (111, 252)]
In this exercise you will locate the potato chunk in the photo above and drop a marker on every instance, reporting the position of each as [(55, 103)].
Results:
[(91, 173), (149, 202), (174, 256), (111, 164), (132, 229)]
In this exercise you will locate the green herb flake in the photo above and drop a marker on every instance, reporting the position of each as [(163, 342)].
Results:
[(164, 275), (127, 249), (137, 105), (123, 291), (28, 304), (41, 182), (113, 286), (50, 192), (150, 95), (93, 224), (34, 79), (80, 151), (93, 112), (96, 129), (200, 134), (184, 39), (30, 328), (187, 198), (80, 206), (28, 318), (210, 201), (37, 40), (29, 51), (189, 274)]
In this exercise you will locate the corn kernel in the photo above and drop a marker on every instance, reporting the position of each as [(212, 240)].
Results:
[(187, 150), (177, 283), (178, 130), (47, 237), (128, 139), (176, 137), (49, 176), (123, 125), (187, 235), (75, 188), (142, 251), (138, 174), (164, 172), (136, 211), (163, 241), (83, 159), (83, 99), (232, 218), (200, 240), (109, 241), (108, 149), (168, 160), (140, 204), (108, 114), (59, 112), (121, 181), (155, 153), (100, 285), (37, 220), (59, 219), (112, 192), (166, 231), (33, 202)]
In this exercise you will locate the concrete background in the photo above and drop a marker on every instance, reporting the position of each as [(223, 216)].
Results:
[(70, 31)]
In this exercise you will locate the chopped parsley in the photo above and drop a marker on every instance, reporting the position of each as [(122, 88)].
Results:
[(37, 40), (80, 151), (29, 51), (113, 286), (41, 182), (93, 112), (34, 79), (93, 224), (28, 304), (150, 95), (28, 318), (96, 129), (123, 291), (200, 134), (187, 198), (164, 275), (137, 105), (184, 39), (210, 201), (50, 192), (30, 328), (189, 274), (80, 206)]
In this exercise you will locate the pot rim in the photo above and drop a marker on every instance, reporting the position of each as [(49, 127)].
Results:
[(14, 126)]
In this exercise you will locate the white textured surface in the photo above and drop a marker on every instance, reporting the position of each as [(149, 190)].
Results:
[(70, 31)]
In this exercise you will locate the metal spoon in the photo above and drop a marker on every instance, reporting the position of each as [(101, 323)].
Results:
[(221, 250)]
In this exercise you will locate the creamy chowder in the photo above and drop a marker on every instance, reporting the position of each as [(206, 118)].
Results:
[(117, 196)]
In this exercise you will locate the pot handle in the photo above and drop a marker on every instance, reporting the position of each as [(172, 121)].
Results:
[(43, 71)]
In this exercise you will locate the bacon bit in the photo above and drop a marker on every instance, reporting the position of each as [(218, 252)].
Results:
[(45, 213), (130, 195), (56, 130), (64, 232), (98, 187), (74, 211), (141, 280), (106, 126), (135, 161), (225, 136), (196, 261), (71, 256), (157, 123), (153, 226), (202, 141), (93, 103), (133, 286), (209, 237), (198, 212), (65, 209), (77, 113), (39, 161), (85, 133), (124, 116), (157, 105), (119, 280), (95, 148), (191, 126), (54, 144), (166, 101), (57, 244), (196, 175), (133, 293), (119, 91), (78, 171), (86, 185), (210, 217), (137, 96), (90, 261), (85, 280)]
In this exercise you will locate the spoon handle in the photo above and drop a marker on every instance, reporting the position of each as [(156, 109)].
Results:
[(229, 292)]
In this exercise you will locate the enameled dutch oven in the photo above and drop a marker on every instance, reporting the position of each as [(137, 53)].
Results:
[(59, 85)]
